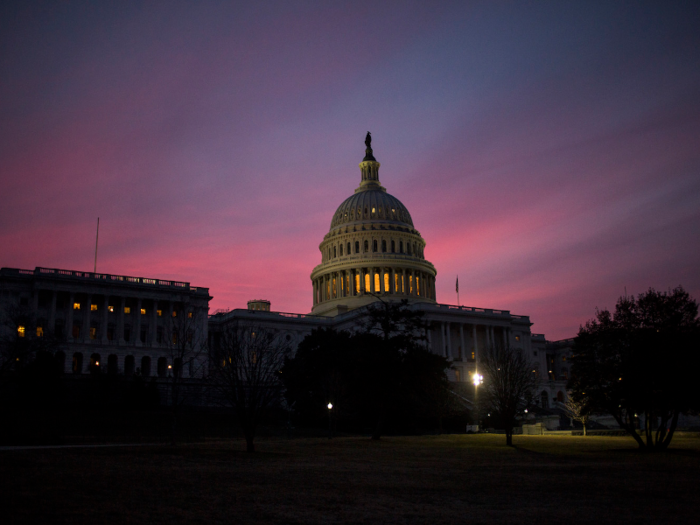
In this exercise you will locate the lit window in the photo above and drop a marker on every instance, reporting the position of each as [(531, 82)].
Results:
[(376, 283), (143, 311), (367, 283), (93, 333), (357, 283), (76, 306), (517, 338), (40, 331), (174, 313), (160, 313), (20, 331), (190, 315), (386, 282), (373, 210), (111, 309), (127, 309), (93, 307)]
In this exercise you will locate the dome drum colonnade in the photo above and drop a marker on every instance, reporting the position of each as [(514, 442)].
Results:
[(372, 248)]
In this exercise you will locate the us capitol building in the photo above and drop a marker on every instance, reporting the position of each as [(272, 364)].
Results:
[(372, 251)]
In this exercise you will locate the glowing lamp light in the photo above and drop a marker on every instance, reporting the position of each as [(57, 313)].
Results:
[(478, 379), (97, 363), (170, 366), (330, 405)]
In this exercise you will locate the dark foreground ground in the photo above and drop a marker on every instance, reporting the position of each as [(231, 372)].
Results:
[(438, 479)]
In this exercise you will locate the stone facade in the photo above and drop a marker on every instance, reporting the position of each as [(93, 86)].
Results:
[(112, 322)]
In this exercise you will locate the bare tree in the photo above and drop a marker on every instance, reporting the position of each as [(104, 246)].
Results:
[(186, 341), (246, 371), (509, 384), (578, 411)]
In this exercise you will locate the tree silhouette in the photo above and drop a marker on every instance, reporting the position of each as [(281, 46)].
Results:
[(509, 385), (641, 360), (246, 369)]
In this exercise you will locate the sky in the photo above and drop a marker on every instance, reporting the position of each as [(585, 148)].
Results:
[(548, 152)]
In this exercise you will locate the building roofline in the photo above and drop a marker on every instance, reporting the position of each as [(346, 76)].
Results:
[(102, 278)]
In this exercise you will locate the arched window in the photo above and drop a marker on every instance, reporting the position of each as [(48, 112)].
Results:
[(544, 399), (393, 246), (400, 246), (377, 288), (408, 248), (95, 363), (162, 366), (59, 360), (146, 366), (112, 364), (366, 246), (347, 251), (78, 363), (357, 246), (335, 252), (374, 246), (129, 365), (368, 284), (383, 246)]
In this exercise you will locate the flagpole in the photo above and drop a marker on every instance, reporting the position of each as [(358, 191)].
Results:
[(97, 238), (457, 288)]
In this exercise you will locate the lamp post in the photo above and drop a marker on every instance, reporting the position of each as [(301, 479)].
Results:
[(477, 379), (330, 407)]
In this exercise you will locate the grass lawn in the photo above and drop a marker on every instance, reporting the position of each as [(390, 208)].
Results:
[(435, 479)]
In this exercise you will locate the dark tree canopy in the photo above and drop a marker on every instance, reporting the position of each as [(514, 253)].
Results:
[(641, 360), (382, 370)]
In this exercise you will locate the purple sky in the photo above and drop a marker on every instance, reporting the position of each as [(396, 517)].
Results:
[(549, 153)]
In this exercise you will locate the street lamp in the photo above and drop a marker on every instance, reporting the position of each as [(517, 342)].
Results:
[(330, 406), (477, 379)]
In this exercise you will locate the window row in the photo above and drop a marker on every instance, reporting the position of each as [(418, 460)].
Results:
[(356, 282), (372, 212), (129, 368), (376, 246), (93, 332)]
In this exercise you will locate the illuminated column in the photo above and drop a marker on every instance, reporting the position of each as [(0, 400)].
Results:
[(392, 280), (449, 340), (476, 347), (52, 312), (154, 324), (105, 322), (69, 317), (120, 319), (86, 318), (137, 330), (463, 349)]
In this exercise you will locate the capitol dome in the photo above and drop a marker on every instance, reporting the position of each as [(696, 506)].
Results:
[(372, 251)]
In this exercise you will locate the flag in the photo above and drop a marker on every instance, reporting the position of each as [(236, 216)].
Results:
[(457, 285)]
